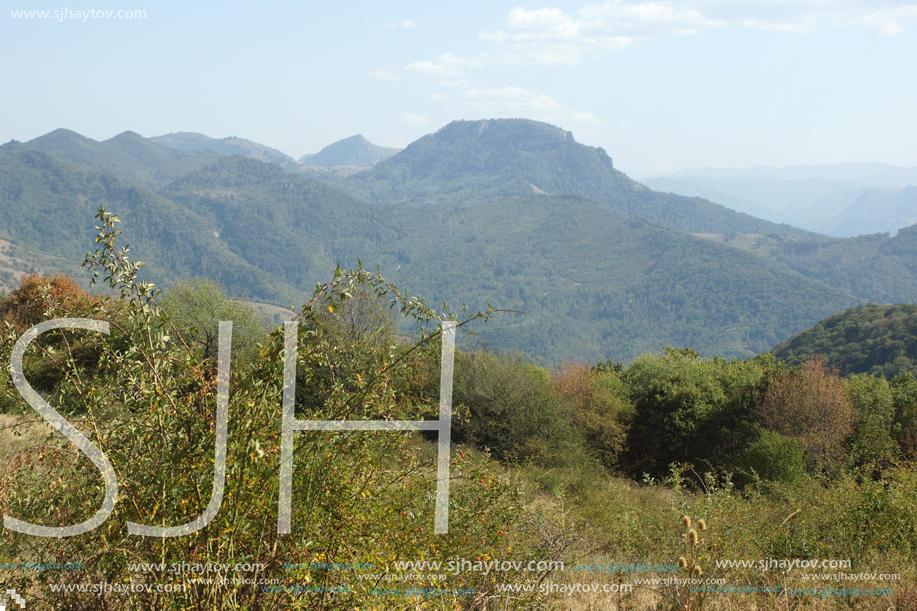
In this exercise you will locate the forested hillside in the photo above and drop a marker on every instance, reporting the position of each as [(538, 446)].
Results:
[(470, 162), (49, 204), (878, 340), (594, 282)]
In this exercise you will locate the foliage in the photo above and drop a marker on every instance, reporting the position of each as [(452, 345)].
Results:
[(691, 410), (872, 448), (197, 305), (512, 410), (809, 404), (773, 457), (596, 410), (148, 404), (904, 427), (879, 340)]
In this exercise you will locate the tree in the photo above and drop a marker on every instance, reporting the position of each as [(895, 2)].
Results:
[(809, 403), (691, 410), (361, 497), (197, 305)]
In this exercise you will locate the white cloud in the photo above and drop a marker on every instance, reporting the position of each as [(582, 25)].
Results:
[(447, 64), (513, 101), (438, 97), (407, 24), (888, 22), (551, 36), (412, 119), (811, 16)]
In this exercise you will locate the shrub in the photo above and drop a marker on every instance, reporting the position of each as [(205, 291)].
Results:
[(904, 426), (809, 404), (690, 410), (872, 448), (39, 298), (197, 305), (773, 457), (512, 410), (596, 410)]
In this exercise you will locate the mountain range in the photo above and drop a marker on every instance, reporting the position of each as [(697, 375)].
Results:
[(511, 212), (354, 151), (840, 200)]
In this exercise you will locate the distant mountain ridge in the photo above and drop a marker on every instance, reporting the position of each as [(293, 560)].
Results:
[(871, 173), (353, 151), (596, 281), (473, 162), (879, 340), (191, 143), (840, 200)]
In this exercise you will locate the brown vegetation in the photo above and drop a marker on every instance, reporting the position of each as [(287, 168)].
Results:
[(809, 404)]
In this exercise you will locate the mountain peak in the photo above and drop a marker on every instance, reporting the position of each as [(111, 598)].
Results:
[(519, 127), (62, 139), (192, 143), (352, 151)]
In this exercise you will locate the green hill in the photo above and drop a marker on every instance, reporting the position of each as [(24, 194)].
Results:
[(473, 162), (353, 151), (879, 340), (129, 157), (876, 268), (48, 204), (595, 283)]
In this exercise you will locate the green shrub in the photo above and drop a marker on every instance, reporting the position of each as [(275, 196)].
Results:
[(773, 457), (512, 410), (690, 410)]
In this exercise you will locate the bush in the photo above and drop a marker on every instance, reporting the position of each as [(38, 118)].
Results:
[(872, 449), (773, 457), (595, 408), (690, 410), (197, 305), (512, 410), (904, 427), (809, 404)]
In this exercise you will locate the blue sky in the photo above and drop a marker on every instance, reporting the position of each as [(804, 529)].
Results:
[(660, 85)]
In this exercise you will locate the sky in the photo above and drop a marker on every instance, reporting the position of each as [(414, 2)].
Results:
[(661, 85)]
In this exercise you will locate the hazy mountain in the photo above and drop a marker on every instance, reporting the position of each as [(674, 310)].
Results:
[(190, 142), (353, 151), (880, 340), (474, 162), (594, 282), (866, 173), (875, 212), (48, 204), (812, 197)]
